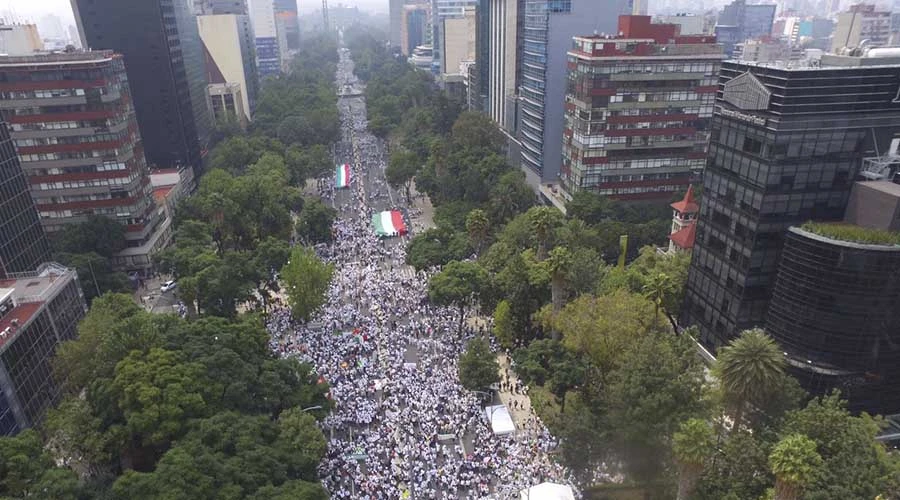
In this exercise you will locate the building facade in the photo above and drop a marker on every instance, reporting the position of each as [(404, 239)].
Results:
[(286, 12), (38, 311), (226, 102), (164, 59), (834, 313), (459, 41), (637, 110), (413, 26), (74, 127), (547, 30), (228, 44), (785, 145), (739, 21), (268, 51), (861, 22), (691, 24), (20, 39), (503, 52), (395, 20), (22, 243), (215, 7), (441, 10)]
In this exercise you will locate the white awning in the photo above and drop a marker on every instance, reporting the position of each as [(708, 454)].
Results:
[(500, 420), (547, 491)]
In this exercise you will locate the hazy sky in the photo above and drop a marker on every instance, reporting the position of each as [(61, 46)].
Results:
[(32, 10)]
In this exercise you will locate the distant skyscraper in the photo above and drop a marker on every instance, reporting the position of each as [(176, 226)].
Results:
[(862, 22), (230, 56), (164, 59), (19, 39), (23, 246), (502, 46), (268, 52), (412, 28), (215, 7), (395, 17), (739, 21), (286, 12), (548, 28), (440, 10)]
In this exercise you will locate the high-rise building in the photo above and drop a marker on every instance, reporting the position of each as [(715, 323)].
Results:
[(226, 101), (286, 12), (412, 27), (637, 110), (19, 39), (503, 41), (268, 51), (164, 59), (441, 10), (216, 7), (691, 24), (395, 18), (39, 310), (739, 21), (22, 243), (786, 143), (74, 127), (861, 23), (228, 44), (458, 43), (547, 31)]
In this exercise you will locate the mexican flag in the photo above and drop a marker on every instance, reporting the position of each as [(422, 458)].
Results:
[(388, 223), (342, 176)]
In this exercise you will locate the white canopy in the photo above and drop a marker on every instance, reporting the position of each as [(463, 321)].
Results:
[(500, 420), (547, 491)]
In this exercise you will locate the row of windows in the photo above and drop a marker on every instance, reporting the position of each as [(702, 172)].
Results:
[(78, 139), (116, 181), (75, 155), (706, 68), (680, 95), (41, 94)]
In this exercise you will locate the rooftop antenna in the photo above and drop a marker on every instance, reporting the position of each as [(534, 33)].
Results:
[(325, 13)]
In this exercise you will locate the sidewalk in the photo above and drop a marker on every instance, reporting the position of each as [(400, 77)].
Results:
[(523, 414)]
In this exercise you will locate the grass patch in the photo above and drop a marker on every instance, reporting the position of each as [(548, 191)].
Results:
[(853, 233)]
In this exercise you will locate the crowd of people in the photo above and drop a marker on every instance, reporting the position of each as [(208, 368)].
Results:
[(402, 425)]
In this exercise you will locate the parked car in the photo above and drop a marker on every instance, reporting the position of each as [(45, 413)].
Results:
[(168, 285)]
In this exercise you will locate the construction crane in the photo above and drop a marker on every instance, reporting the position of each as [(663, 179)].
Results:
[(325, 13)]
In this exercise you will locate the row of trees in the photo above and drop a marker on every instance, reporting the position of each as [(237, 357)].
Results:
[(156, 406)]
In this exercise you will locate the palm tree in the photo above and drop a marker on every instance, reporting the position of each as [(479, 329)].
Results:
[(749, 369), (478, 226), (692, 444), (658, 288), (543, 220), (795, 462), (559, 265)]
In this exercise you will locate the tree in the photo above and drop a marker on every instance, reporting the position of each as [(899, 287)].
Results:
[(601, 327), (795, 463), (855, 464), (98, 234), (27, 470), (657, 289), (692, 444), (306, 280), (299, 434), (657, 384), (478, 226), (543, 221), (509, 197), (315, 221), (505, 324), (588, 206), (95, 273), (548, 363), (478, 366), (748, 370), (458, 284), (402, 168), (436, 247), (309, 162), (158, 393)]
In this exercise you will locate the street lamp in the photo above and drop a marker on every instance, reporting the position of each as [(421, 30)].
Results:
[(317, 407)]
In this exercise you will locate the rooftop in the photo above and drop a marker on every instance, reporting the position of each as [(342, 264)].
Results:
[(59, 58), (886, 187), (853, 234), (30, 291)]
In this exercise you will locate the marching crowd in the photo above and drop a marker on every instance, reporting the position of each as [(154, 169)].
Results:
[(401, 420)]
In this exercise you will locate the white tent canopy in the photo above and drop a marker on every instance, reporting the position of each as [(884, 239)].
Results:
[(500, 420), (547, 491)]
